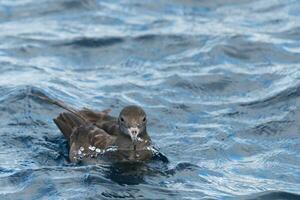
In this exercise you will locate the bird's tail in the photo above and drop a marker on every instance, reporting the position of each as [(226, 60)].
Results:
[(61, 105), (67, 122)]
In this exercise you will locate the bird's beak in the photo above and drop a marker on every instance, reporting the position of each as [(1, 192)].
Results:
[(134, 132)]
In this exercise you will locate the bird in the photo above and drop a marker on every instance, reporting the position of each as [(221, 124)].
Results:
[(96, 136)]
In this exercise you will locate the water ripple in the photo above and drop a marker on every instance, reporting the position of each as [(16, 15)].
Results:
[(219, 81)]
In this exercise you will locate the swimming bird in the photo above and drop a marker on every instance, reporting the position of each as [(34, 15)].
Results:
[(95, 136)]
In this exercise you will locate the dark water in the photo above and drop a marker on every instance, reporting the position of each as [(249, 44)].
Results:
[(220, 81)]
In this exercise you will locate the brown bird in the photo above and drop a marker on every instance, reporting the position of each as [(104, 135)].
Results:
[(97, 136)]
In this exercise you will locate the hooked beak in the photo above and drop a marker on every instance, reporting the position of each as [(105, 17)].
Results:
[(134, 132)]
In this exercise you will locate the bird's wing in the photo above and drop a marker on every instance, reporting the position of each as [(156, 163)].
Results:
[(68, 121), (100, 138), (85, 140), (91, 135)]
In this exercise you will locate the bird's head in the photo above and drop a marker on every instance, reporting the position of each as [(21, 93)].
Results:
[(132, 122)]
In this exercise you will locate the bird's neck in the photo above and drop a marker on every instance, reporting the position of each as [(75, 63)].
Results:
[(130, 145)]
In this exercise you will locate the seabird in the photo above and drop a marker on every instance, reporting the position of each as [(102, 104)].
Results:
[(97, 136)]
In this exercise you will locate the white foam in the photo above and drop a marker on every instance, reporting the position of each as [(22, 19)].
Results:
[(92, 148), (98, 150)]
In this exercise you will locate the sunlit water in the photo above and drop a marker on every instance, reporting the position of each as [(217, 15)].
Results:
[(220, 81)]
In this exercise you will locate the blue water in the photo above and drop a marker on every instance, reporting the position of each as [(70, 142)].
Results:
[(220, 81)]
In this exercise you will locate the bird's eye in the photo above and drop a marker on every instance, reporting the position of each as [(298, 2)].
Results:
[(122, 119), (144, 119)]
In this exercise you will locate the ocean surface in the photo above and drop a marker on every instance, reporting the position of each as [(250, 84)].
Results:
[(219, 80)]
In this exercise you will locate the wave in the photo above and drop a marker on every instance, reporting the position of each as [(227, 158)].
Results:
[(94, 42), (272, 195)]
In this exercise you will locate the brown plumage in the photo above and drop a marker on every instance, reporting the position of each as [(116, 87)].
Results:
[(97, 136)]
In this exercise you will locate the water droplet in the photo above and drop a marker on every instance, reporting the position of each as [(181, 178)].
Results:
[(98, 150), (92, 148)]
